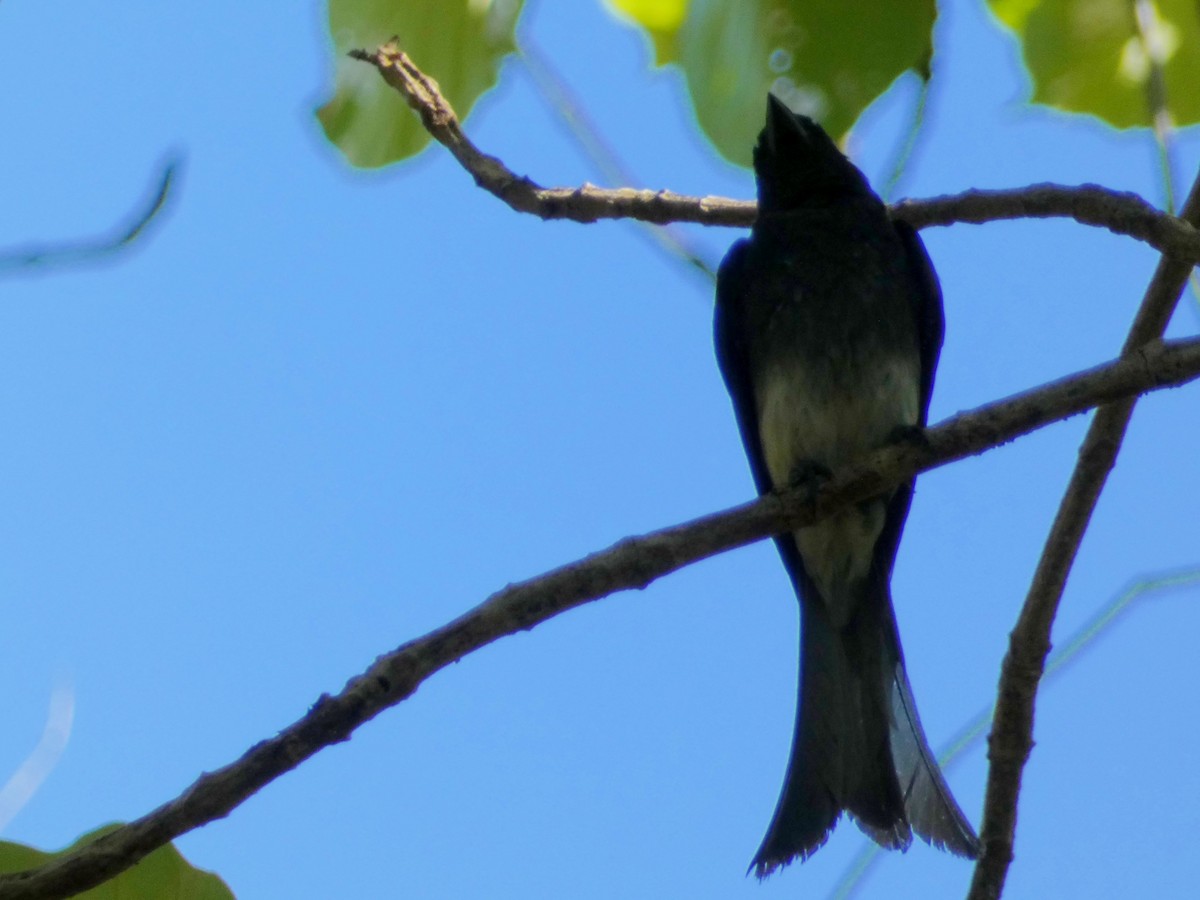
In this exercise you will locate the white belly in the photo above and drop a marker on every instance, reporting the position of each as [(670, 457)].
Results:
[(831, 423)]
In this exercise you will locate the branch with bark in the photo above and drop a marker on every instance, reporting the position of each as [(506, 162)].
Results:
[(1122, 213), (1146, 364), (1011, 740), (631, 563)]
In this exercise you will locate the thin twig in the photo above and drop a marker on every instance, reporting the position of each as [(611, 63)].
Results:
[(908, 145), (1122, 213), (631, 563), (1150, 36), (558, 95), (44, 256), (1011, 740)]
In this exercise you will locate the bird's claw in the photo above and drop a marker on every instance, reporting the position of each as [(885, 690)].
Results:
[(809, 476)]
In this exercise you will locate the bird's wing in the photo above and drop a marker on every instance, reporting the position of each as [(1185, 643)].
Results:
[(733, 356), (927, 298), (733, 281)]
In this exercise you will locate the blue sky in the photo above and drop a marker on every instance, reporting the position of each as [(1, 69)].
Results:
[(320, 412)]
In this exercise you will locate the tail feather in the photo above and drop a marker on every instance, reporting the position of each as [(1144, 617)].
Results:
[(840, 759), (928, 803), (809, 805), (859, 746)]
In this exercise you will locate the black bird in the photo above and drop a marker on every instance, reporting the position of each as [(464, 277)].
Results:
[(828, 329)]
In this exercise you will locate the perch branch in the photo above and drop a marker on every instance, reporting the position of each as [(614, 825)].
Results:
[(631, 563)]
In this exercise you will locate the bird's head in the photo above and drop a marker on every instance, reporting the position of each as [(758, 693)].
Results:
[(797, 164)]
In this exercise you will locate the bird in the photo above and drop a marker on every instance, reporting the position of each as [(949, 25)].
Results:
[(828, 326)]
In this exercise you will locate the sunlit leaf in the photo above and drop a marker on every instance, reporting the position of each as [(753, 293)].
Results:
[(163, 875), (661, 20), (827, 58), (1013, 13), (459, 42), (1087, 56)]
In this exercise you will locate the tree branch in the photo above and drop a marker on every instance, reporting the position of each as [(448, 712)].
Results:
[(1011, 740), (1122, 213), (631, 563), (583, 204), (1088, 204)]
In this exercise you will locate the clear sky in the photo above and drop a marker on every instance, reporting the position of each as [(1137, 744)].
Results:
[(320, 412)]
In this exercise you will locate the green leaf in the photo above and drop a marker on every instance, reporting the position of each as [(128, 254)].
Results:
[(163, 875), (459, 42), (661, 20), (827, 58), (1087, 56)]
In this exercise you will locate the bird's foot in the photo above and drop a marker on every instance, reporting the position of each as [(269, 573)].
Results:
[(809, 476)]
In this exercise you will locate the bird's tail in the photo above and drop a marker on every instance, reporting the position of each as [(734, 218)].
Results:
[(928, 804), (859, 745)]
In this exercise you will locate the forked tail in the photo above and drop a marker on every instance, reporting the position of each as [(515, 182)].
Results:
[(859, 745)]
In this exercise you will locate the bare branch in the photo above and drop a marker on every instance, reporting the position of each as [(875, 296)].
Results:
[(583, 204), (1011, 740), (1089, 204), (631, 563)]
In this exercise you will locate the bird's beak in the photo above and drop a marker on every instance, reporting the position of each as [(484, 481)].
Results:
[(778, 119), (783, 128)]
